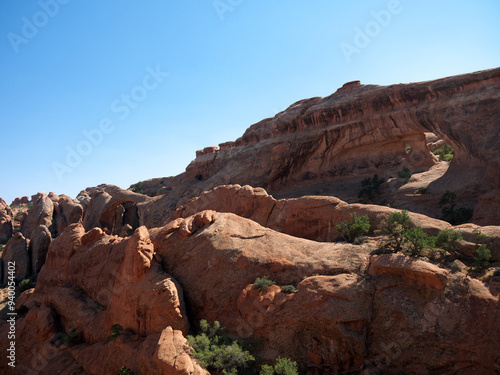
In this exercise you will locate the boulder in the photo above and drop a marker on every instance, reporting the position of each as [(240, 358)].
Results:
[(40, 214), (6, 222), (38, 247), (16, 250)]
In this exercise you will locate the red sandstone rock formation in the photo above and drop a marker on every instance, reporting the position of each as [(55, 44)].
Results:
[(6, 221), (206, 239)]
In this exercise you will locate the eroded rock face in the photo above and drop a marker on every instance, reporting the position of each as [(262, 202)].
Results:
[(360, 312), (40, 214), (38, 247), (6, 220), (16, 250), (92, 281)]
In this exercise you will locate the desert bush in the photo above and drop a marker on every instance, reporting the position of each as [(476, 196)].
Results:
[(125, 371), (370, 187), (25, 285), (450, 213), (216, 351), (288, 289), (262, 283), (283, 366), (421, 191), (445, 153), (447, 239), (358, 226), (496, 273), (116, 330), (408, 149), (137, 188), (482, 258), (396, 225), (454, 267), (405, 173), (417, 240)]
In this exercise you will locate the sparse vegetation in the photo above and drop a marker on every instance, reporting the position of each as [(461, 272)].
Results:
[(421, 191), (283, 366), (447, 239), (288, 289), (358, 226), (137, 188), (216, 351), (396, 225), (370, 187), (408, 149), (25, 285), (125, 371), (496, 273), (417, 240), (445, 153), (116, 330), (262, 283), (450, 213), (482, 258), (405, 173), (454, 267)]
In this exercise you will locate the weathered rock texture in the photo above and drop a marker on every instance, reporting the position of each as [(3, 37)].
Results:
[(322, 144), (202, 238), (6, 221), (91, 281), (16, 250)]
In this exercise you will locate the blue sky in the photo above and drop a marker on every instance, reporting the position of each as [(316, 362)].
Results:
[(152, 82)]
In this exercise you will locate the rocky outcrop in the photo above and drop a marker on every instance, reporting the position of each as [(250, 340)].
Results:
[(328, 145), (18, 201), (16, 250), (111, 208), (40, 214), (92, 281), (6, 220), (66, 211), (349, 317), (38, 247)]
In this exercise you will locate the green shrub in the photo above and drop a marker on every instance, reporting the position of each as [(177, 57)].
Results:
[(482, 258), (262, 283), (454, 267), (417, 240), (396, 225), (137, 188), (116, 330), (288, 289), (216, 351), (73, 337), (25, 285), (283, 366), (421, 191), (370, 187), (358, 226), (450, 213), (125, 371), (447, 239), (496, 272), (445, 153), (408, 149), (405, 173)]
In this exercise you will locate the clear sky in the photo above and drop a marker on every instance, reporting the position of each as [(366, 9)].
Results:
[(119, 91)]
